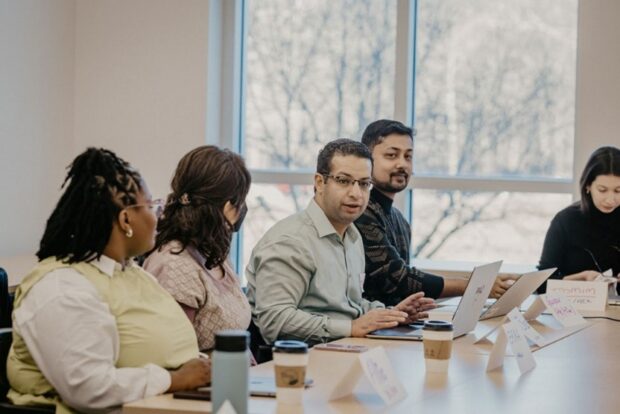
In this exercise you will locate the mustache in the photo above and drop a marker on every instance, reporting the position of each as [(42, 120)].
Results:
[(399, 172)]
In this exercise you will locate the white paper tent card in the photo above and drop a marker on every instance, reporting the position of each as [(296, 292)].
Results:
[(559, 306), (511, 334), (585, 296), (516, 317), (528, 330), (562, 311), (566, 316), (376, 366)]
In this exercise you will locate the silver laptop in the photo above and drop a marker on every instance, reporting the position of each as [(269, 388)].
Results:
[(517, 293), (467, 313)]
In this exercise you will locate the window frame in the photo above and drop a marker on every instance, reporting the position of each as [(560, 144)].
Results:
[(226, 110)]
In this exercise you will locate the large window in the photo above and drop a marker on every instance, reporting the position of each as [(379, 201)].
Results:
[(495, 87), (492, 102), (316, 70)]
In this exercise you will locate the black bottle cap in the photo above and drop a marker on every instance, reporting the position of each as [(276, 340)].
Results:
[(232, 340)]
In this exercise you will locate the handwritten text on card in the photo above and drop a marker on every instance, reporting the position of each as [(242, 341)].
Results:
[(591, 296)]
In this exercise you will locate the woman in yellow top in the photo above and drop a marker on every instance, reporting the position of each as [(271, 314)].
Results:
[(91, 330)]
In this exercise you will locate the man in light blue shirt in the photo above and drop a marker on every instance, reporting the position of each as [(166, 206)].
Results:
[(306, 273)]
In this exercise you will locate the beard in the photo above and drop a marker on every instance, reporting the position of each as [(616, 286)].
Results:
[(388, 187)]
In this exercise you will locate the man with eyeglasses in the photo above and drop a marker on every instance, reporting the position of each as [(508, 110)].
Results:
[(386, 233), (306, 273)]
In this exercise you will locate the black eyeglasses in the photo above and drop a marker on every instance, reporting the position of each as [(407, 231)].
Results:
[(346, 182)]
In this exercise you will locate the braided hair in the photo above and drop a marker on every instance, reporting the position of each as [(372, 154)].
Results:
[(100, 184)]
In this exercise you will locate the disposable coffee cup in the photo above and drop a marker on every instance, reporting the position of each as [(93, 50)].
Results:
[(290, 362), (437, 337)]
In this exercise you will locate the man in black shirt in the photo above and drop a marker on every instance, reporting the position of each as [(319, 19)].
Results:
[(386, 233)]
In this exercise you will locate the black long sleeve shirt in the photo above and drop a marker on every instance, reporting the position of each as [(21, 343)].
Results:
[(387, 237), (576, 242)]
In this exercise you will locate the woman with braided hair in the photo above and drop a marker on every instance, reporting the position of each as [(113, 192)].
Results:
[(92, 330)]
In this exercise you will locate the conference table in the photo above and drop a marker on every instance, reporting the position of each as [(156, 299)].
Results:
[(579, 373)]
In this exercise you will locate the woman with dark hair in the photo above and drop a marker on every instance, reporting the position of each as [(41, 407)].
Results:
[(206, 206), (92, 330), (583, 240)]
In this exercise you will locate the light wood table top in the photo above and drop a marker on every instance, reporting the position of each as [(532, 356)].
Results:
[(579, 373)]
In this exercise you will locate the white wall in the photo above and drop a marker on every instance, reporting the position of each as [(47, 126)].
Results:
[(36, 118), (140, 84), (129, 75), (597, 120)]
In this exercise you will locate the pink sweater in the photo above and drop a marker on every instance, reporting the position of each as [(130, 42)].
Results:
[(219, 303)]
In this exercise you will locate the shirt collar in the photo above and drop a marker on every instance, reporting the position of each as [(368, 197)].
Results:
[(108, 265), (384, 201), (323, 225)]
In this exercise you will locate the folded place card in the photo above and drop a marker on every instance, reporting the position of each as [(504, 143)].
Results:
[(562, 309), (528, 330), (587, 296), (376, 366), (559, 306), (350, 377), (511, 334), (516, 317)]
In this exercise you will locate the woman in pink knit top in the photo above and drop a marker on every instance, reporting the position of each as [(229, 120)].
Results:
[(190, 260)]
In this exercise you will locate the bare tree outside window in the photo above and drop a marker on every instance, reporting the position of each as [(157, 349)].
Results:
[(316, 70), (495, 84), (495, 87)]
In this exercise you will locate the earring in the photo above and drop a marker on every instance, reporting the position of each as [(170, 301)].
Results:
[(129, 233), (587, 191)]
